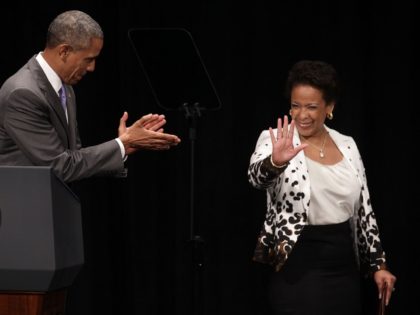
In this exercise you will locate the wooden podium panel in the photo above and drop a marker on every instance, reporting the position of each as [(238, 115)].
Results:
[(30, 303)]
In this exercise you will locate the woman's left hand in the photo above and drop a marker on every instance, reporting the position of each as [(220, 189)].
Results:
[(384, 277)]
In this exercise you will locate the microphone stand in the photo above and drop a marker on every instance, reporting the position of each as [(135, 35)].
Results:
[(192, 113)]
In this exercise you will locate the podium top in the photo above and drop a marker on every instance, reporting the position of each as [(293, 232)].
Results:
[(41, 171)]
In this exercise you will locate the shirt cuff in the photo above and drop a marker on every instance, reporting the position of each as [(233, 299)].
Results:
[(123, 156)]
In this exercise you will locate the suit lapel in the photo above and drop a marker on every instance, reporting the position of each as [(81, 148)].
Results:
[(52, 99)]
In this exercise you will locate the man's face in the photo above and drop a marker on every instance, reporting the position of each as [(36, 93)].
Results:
[(79, 62)]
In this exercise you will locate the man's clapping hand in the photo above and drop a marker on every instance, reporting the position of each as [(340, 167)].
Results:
[(145, 134)]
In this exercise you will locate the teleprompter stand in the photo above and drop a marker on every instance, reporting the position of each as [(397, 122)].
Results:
[(179, 81)]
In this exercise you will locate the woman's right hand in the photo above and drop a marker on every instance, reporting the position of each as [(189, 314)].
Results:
[(283, 149)]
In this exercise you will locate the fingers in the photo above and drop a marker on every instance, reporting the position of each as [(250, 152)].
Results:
[(155, 146), (380, 288), (285, 126), (388, 295), (171, 139), (156, 141), (283, 130), (385, 292), (300, 147), (386, 288), (273, 138), (146, 119), (122, 126), (292, 128), (279, 129), (390, 288), (156, 138), (124, 117), (156, 124), (146, 133), (152, 122), (282, 143)]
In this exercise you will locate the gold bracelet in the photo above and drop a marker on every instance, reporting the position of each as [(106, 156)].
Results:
[(276, 166)]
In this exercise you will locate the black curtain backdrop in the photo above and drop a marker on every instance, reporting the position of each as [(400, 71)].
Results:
[(137, 230)]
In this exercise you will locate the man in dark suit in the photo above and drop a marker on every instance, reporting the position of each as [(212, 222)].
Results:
[(38, 109)]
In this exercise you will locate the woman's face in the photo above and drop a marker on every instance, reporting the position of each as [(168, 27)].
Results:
[(309, 110)]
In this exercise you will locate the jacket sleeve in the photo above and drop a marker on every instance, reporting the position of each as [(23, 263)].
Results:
[(261, 173), (372, 256), (27, 120)]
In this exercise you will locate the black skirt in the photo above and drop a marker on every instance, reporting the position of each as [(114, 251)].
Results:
[(320, 277)]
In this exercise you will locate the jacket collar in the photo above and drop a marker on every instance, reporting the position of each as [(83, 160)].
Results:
[(49, 92)]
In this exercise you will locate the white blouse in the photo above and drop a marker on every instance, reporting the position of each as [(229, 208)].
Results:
[(335, 192)]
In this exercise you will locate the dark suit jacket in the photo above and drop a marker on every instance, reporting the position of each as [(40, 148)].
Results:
[(34, 130)]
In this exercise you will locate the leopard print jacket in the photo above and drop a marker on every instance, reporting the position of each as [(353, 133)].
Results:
[(288, 197)]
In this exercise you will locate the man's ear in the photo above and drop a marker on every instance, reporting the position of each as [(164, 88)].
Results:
[(63, 51)]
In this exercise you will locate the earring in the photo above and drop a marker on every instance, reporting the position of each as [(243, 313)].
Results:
[(330, 116)]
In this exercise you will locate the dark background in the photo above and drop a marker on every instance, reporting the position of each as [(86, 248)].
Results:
[(136, 230)]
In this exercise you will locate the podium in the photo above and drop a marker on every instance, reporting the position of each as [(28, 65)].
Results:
[(41, 241)]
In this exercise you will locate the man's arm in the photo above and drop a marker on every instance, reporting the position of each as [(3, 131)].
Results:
[(28, 121)]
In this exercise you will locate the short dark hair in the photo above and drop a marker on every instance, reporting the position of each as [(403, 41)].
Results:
[(73, 27), (317, 74)]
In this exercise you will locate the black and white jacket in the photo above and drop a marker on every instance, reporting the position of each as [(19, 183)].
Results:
[(288, 198)]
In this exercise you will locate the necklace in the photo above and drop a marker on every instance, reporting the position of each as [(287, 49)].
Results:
[(320, 149)]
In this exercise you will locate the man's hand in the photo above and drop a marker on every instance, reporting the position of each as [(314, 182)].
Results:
[(151, 121), (146, 133)]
